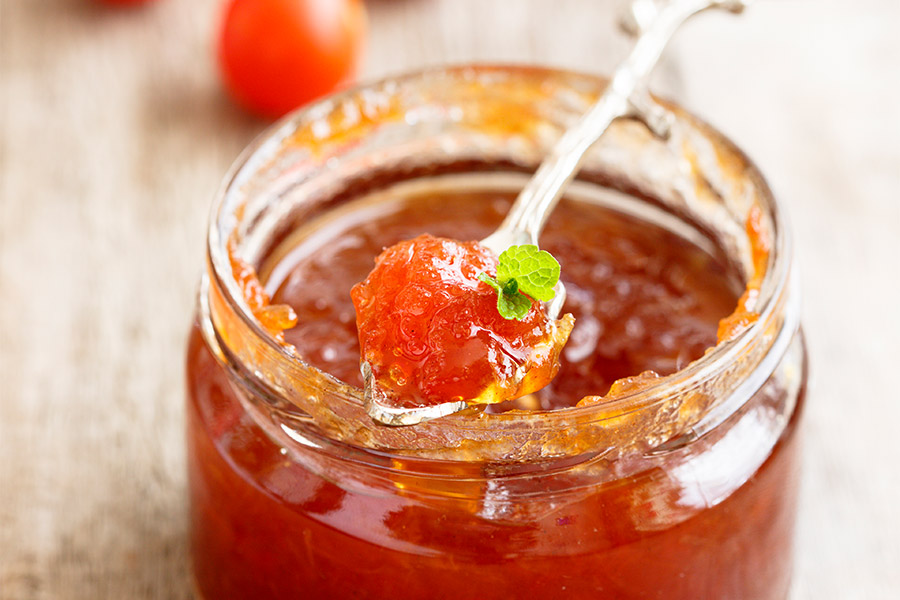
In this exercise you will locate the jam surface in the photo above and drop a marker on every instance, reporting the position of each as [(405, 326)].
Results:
[(711, 520), (643, 298)]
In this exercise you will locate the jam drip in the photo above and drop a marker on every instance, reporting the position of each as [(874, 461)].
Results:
[(275, 318)]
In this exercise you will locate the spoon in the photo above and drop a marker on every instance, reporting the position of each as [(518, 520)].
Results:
[(625, 96)]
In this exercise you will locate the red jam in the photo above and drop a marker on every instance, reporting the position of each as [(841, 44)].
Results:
[(711, 521), (431, 331)]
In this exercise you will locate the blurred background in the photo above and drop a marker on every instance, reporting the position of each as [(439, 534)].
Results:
[(116, 128)]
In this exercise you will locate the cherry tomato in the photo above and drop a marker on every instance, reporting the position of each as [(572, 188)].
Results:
[(276, 55)]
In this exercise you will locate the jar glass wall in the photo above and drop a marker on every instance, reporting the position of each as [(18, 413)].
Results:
[(682, 485)]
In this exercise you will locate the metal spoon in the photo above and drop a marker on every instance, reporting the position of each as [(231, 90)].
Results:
[(626, 96)]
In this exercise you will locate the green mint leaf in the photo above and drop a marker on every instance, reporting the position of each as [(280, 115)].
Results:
[(511, 303), (511, 287), (535, 271), (513, 306), (524, 272)]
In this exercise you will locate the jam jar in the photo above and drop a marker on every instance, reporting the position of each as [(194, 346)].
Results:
[(662, 462)]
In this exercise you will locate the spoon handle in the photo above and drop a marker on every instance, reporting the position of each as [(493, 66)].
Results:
[(625, 96)]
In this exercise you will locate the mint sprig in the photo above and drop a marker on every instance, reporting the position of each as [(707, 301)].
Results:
[(523, 271)]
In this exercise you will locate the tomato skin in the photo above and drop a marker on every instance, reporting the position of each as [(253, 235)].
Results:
[(276, 55)]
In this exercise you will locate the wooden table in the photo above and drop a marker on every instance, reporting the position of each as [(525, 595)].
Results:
[(114, 134)]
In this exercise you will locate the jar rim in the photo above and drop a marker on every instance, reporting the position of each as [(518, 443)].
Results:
[(773, 293)]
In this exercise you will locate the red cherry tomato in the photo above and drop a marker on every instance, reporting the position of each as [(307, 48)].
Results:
[(276, 55)]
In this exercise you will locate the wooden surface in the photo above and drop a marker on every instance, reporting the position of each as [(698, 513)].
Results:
[(114, 135)]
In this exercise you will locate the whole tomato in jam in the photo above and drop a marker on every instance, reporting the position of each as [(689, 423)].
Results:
[(431, 332)]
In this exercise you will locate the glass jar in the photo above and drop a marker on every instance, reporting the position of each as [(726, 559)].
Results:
[(681, 487)]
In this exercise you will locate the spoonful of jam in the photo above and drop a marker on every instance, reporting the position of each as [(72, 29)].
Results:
[(444, 324)]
